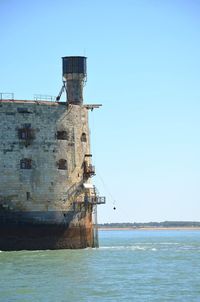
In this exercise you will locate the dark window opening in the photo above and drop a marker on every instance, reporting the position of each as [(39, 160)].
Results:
[(23, 110), (26, 163), (28, 195), (63, 135), (83, 137), (26, 133), (62, 164)]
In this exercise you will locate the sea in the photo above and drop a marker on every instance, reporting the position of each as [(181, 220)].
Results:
[(129, 265)]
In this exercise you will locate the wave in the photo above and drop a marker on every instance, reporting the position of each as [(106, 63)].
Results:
[(154, 247), (128, 247)]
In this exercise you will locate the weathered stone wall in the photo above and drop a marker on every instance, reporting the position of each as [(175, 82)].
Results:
[(43, 187)]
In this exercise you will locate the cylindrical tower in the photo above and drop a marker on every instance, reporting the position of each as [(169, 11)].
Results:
[(74, 74)]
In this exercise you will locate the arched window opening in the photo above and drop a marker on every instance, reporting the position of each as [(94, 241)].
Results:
[(83, 137), (62, 164), (26, 163)]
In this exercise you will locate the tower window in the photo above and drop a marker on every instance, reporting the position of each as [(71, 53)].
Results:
[(63, 135), (28, 195), (23, 110), (26, 133), (83, 137), (62, 164), (26, 163)]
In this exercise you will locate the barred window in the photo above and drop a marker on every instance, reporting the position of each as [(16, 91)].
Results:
[(26, 163), (26, 133)]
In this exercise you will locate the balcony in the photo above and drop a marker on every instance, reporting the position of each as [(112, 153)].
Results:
[(96, 199), (89, 170)]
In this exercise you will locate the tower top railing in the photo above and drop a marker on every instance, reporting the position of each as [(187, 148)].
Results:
[(6, 96), (44, 97)]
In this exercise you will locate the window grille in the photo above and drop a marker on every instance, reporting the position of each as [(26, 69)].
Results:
[(26, 163)]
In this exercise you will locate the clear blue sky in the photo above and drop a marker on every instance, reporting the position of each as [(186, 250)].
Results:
[(144, 67)]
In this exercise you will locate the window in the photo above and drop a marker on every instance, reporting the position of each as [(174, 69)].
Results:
[(26, 163), (83, 137), (23, 110), (63, 135), (62, 164), (26, 133), (23, 133)]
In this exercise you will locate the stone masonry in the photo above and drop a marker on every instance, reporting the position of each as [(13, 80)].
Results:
[(42, 155)]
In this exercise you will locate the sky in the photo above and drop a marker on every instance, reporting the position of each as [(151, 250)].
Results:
[(143, 66)]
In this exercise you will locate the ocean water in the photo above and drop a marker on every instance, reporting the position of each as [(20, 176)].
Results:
[(129, 266)]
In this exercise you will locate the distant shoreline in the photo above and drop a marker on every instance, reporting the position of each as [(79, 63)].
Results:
[(149, 229)]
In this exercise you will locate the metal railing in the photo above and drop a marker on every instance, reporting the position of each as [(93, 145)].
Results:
[(6, 96), (96, 199), (43, 97)]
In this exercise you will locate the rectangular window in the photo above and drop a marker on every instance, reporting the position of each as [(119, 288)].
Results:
[(26, 163), (63, 135), (28, 195), (26, 133), (23, 110)]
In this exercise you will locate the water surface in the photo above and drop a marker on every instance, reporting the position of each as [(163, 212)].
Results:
[(128, 266)]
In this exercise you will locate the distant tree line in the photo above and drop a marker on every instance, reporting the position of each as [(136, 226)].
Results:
[(164, 224)]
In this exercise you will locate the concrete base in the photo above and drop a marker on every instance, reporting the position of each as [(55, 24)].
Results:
[(40, 237), (57, 230)]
